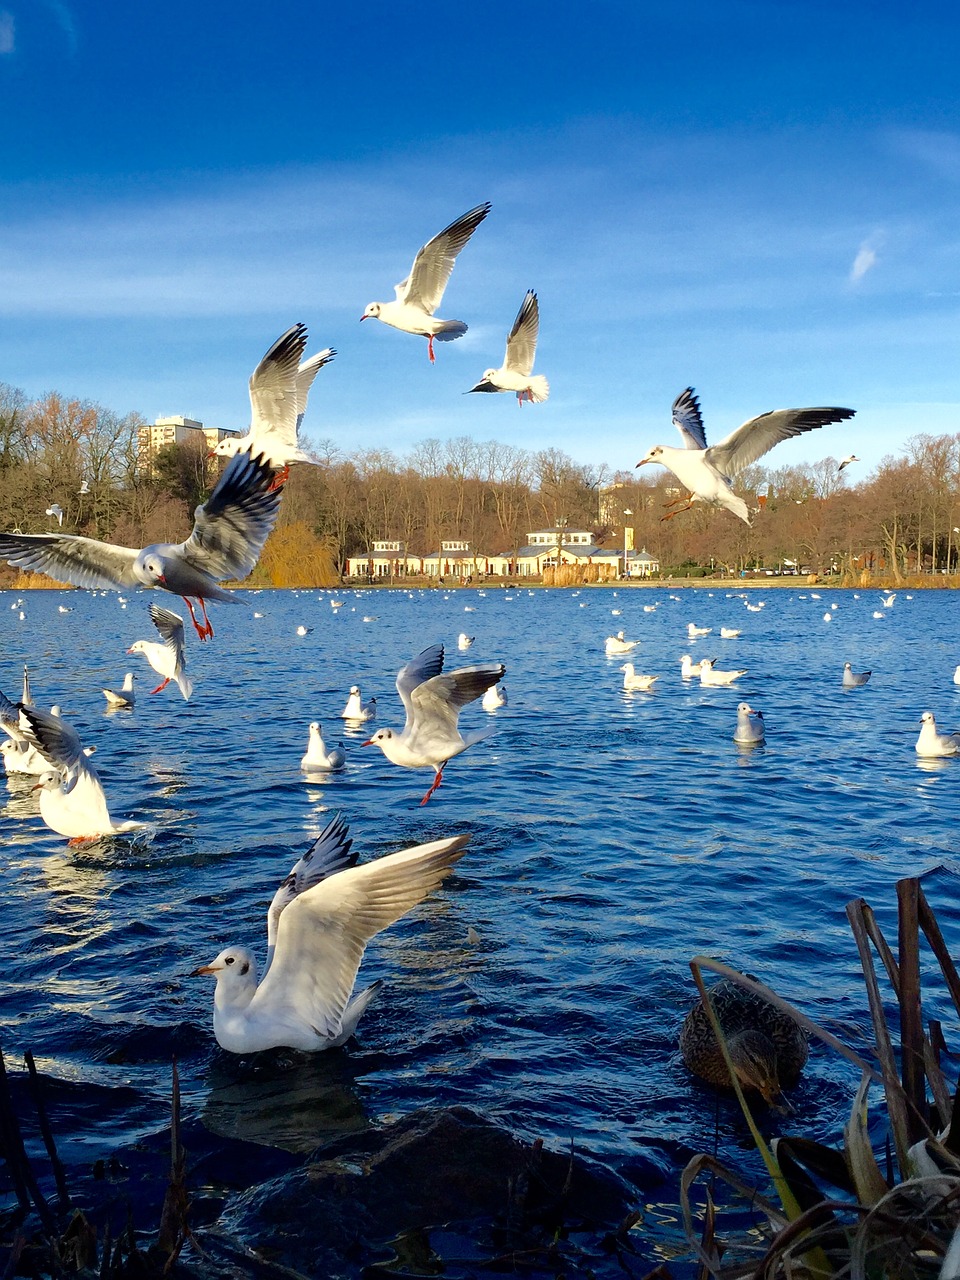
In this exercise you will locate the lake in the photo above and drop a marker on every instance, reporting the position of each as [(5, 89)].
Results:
[(614, 837)]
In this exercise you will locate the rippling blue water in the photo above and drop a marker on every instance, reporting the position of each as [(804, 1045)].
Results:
[(614, 837)]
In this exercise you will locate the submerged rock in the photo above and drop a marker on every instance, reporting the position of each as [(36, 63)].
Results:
[(434, 1189)]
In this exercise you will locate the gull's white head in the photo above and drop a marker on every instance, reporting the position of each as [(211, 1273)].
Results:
[(138, 646), (49, 781), (379, 738), (149, 569), (227, 448), (235, 971), (652, 455), (927, 718), (355, 689), (371, 312)]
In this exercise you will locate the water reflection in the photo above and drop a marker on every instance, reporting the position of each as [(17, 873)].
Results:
[(284, 1099)]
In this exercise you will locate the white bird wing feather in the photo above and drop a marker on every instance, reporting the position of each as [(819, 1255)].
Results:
[(58, 742), (522, 338), (322, 934), (273, 389), (231, 527), (758, 435), (170, 628), (305, 376), (432, 266), (437, 703), (427, 664)]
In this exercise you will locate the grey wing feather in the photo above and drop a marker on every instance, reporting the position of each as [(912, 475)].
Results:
[(432, 266), (9, 717), (757, 436), (84, 562), (57, 741), (427, 664), (445, 695), (231, 527), (170, 627), (329, 853), (273, 387), (522, 338), (687, 420)]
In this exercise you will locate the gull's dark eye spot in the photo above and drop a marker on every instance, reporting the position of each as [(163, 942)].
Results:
[(245, 969), (229, 960)]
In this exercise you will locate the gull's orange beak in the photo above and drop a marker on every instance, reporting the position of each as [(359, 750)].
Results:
[(364, 318), (642, 461), (368, 743), (204, 970)]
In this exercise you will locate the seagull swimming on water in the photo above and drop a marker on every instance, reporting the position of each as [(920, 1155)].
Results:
[(318, 759), (749, 725), (707, 472), (433, 700), (168, 659), (279, 387), (319, 923), (713, 678), (229, 531), (634, 682), (931, 743), (515, 372), (124, 696), (356, 708), (854, 679), (72, 800), (419, 295)]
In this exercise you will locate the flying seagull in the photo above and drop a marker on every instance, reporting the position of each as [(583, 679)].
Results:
[(433, 701), (169, 658), (279, 387), (515, 372), (852, 457), (229, 531), (419, 295), (707, 472)]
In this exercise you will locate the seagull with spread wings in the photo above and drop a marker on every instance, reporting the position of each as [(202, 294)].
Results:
[(433, 700), (319, 923), (708, 472), (279, 387), (419, 295), (515, 372), (229, 531), (169, 658)]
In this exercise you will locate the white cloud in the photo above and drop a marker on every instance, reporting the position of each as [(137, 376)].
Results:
[(865, 260), (7, 40)]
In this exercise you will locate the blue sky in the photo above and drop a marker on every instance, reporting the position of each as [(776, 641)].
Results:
[(758, 199)]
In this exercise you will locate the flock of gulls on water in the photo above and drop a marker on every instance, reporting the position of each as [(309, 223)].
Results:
[(329, 906)]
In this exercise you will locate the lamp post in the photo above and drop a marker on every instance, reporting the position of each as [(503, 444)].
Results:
[(626, 512)]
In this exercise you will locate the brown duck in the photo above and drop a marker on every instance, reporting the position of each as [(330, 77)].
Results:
[(767, 1047)]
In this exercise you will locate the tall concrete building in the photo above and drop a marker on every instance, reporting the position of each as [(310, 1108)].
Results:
[(176, 430)]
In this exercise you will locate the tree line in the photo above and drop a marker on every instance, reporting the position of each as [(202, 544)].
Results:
[(901, 519)]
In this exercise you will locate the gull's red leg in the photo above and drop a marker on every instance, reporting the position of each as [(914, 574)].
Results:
[(280, 479), (436, 782), (208, 627), (161, 686), (433, 358)]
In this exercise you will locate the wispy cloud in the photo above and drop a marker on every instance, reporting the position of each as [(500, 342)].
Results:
[(865, 260), (67, 24), (934, 150), (7, 36)]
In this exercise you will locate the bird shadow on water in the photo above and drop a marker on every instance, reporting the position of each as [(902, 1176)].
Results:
[(285, 1099)]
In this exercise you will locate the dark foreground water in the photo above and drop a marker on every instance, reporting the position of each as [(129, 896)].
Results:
[(615, 836)]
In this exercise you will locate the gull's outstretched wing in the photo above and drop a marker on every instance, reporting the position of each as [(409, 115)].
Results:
[(437, 703), (687, 420), (273, 388), (329, 853), (305, 376), (58, 742), (522, 338), (10, 718), (431, 268), (322, 934), (757, 436), (424, 666), (231, 527), (65, 557)]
